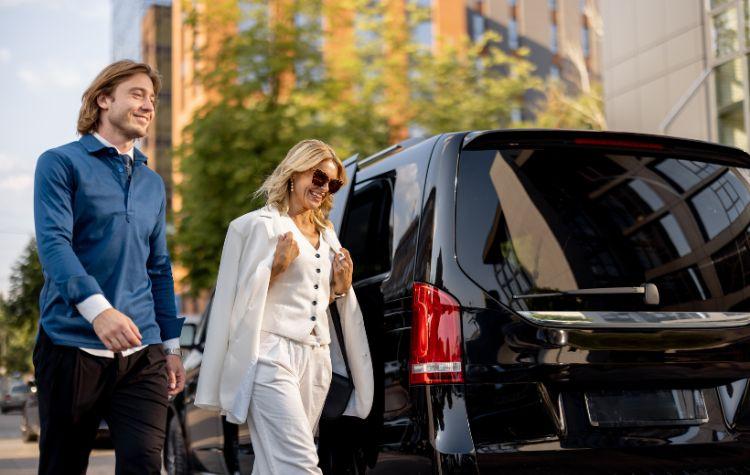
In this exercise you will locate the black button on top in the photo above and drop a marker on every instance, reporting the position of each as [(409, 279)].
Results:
[(315, 286), (317, 270), (315, 302), (312, 318), (317, 255)]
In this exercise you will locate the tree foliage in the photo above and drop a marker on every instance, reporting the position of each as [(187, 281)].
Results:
[(19, 311), (271, 85)]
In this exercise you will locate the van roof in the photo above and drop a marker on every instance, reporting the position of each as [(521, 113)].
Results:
[(478, 140)]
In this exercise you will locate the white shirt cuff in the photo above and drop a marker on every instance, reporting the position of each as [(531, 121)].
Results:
[(171, 343), (92, 306)]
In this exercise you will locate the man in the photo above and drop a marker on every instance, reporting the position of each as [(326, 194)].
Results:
[(108, 344)]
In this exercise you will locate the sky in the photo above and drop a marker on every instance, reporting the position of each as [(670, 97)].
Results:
[(50, 50)]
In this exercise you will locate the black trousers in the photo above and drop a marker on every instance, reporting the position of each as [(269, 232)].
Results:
[(76, 390)]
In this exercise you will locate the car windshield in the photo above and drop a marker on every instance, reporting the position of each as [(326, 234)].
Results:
[(546, 220)]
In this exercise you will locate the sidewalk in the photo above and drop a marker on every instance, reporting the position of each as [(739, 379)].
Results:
[(21, 458)]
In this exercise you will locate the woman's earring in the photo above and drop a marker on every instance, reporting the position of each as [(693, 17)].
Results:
[(291, 186)]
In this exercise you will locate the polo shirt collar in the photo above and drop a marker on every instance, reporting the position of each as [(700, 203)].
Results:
[(93, 145)]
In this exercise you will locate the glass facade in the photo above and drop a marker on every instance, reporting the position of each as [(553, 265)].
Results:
[(730, 37), (725, 32)]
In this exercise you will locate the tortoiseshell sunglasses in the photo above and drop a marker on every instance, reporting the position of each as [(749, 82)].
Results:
[(320, 178)]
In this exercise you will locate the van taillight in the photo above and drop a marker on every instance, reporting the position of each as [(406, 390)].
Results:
[(435, 337)]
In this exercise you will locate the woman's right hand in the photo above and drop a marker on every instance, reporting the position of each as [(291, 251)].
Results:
[(286, 252)]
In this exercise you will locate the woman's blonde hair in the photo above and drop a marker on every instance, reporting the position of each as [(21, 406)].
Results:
[(106, 83), (300, 158)]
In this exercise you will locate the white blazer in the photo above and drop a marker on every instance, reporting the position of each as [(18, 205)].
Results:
[(230, 355)]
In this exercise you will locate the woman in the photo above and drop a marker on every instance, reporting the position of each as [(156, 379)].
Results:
[(267, 357)]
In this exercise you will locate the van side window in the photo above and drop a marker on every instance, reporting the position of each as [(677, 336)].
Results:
[(366, 230)]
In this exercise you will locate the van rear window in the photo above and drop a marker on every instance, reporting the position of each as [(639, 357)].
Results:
[(552, 220)]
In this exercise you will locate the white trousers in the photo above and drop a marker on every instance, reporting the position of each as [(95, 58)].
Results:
[(291, 384)]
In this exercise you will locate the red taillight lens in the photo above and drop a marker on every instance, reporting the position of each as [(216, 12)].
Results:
[(435, 337)]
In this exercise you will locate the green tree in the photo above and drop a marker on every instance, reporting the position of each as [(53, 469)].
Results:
[(273, 94), (491, 83), (562, 110), (271, 86), (19, 311)]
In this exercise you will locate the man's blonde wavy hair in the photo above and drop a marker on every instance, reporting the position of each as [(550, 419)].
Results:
[(302, 157), (105, 83)]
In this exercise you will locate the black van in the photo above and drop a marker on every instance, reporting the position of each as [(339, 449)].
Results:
[(539, 301)]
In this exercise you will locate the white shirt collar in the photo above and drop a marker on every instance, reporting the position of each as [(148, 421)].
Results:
[(106, 143)]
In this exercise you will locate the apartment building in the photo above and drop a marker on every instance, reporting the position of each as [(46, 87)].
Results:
[(678, 67)]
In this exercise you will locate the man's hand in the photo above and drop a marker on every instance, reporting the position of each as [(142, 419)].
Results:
[(116, 330), (175, 374)]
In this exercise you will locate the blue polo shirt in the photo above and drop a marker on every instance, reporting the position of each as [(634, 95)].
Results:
[(99, 230)]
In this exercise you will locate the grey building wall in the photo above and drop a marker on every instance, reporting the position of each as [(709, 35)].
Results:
[(662, 72)]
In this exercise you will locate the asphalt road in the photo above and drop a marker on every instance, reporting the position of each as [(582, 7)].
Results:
[(22, 458)]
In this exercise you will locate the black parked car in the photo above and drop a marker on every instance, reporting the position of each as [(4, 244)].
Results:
[(539, 302)]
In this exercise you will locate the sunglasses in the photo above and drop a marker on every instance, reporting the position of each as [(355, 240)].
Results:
[(320, 178)]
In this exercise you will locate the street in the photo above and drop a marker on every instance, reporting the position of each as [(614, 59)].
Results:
[(21, 458)]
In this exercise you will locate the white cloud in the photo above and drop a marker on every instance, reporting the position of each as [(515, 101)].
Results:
[(4, 55), (54, 76), (18, 182)]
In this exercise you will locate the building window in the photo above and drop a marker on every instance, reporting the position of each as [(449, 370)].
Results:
[(585, 45), (674, 231), (553, 38), (685, 173), (725, 32), (516, 115), (477, 25), (513, 34), (367, 31), (721, 203), (422, 28), (730, 92), (309, 30), (554, 72)]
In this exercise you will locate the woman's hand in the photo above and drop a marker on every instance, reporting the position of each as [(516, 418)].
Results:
[(343, 267), (286, 252)]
